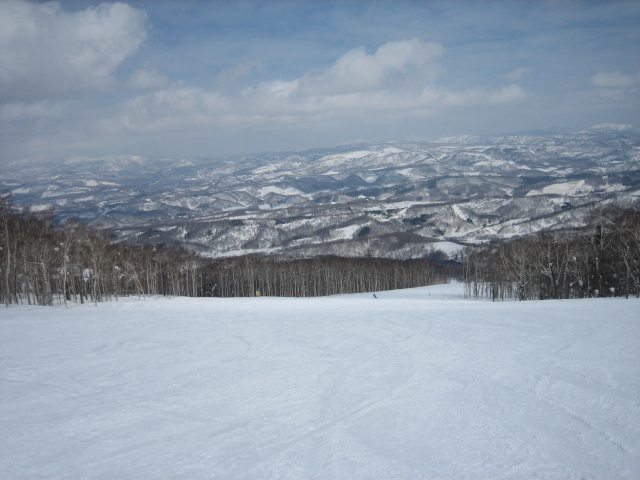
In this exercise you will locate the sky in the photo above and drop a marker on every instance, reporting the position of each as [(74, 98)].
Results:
[(209, 79)]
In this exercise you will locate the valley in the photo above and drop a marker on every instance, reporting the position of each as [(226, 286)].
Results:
[(396, 200)]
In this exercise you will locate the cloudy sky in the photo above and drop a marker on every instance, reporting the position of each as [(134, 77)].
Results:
[(195, 78)]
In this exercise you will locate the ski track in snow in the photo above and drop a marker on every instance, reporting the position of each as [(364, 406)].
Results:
[(416, 384)]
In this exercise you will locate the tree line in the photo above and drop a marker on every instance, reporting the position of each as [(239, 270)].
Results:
[(42, 264), (602, 262), (309, 277)]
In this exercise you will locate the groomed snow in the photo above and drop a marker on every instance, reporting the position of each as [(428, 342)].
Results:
[(416, 384)]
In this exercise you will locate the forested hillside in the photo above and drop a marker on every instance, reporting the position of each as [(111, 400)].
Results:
[(43, 264), (576, 264)]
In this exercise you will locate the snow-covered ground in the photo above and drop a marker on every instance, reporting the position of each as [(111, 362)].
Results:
[(416, 384)]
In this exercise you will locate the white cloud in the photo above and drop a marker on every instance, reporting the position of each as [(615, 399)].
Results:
[(393, 63), (275, 89), (278, 102), (398, 76), (175, 107), (229, 77), (615, 80), (616, 86), (620, 127), (20, 111), (399, 79), (177, 100), (396, 82), (517, 74), (47, 52), (508, 94), (145, 79)]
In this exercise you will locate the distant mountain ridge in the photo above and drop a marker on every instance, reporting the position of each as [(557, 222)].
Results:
[(394, 200)]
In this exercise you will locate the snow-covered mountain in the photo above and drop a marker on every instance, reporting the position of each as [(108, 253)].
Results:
[(395, 200)]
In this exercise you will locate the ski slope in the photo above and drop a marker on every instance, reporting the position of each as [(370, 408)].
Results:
[(416, 384)]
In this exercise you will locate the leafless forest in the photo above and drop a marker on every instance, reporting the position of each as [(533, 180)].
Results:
[(42, 265), (602, 262)]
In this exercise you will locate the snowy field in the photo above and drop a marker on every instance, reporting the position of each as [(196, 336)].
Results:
[(417, 384)]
